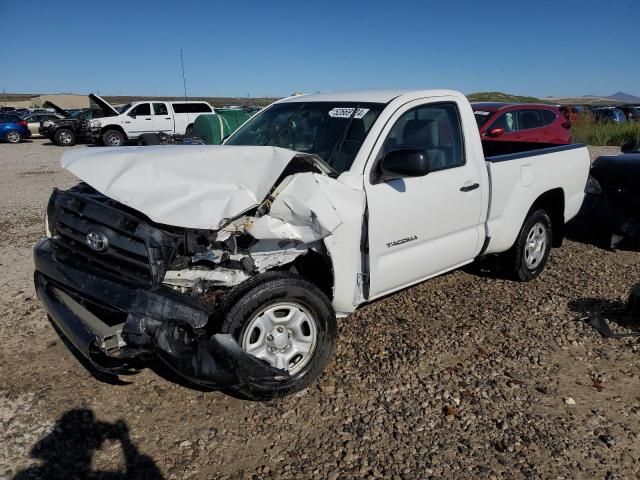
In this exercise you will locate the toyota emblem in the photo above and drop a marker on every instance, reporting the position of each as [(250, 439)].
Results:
[(97, 241)]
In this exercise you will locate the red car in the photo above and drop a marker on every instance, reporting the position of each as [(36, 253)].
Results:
[(510, 128)]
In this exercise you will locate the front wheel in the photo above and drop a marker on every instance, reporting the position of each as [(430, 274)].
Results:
[(13, 136), (64, 137), (528, 257), (285, 321), (113, 138)]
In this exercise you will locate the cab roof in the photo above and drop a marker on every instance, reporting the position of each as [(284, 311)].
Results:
[(372, 96)]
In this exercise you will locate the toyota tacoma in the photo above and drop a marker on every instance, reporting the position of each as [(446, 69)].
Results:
[(231, 263)]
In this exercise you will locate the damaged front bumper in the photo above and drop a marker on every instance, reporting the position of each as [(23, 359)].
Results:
[(114, 324)]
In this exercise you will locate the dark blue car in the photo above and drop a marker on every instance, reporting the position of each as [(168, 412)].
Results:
[(13, 129)]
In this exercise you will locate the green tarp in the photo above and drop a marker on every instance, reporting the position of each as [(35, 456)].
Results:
[(212, 128)]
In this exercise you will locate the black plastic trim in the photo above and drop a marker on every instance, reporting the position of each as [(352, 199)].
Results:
[(534, 153)]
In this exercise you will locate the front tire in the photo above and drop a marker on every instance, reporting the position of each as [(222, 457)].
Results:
[(64, 137), (285, 321), (528, 257), (113, 138), (13, 136)]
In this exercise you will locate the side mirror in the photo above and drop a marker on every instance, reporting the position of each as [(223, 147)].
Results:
[(405, 162), (496, 132)]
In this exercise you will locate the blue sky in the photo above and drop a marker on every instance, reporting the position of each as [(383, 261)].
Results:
[(236, 47)]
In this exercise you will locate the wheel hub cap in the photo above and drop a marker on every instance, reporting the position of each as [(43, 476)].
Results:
[(283, 335), (279, 338), (536, 245)]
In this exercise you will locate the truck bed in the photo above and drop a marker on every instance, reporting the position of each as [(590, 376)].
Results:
[(517, 180)]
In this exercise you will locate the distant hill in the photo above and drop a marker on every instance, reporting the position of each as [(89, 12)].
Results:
[(502, 97), (624, 97)]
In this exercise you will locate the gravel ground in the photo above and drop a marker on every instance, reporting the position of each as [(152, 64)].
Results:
[(464, 376)]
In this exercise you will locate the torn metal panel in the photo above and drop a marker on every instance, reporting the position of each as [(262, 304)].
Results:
[(301, 211), (268, 254), (187, 186), (189, 277)]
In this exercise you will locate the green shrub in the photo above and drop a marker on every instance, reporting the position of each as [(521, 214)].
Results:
[(584, 130)]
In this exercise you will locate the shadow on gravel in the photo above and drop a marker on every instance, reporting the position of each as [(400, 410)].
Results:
[(67, 452), (614, 311)]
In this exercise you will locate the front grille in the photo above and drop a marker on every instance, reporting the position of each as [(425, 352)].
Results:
[(136, 251)]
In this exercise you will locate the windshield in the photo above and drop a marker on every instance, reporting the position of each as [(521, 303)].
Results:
[(123, 108), (333, 131), (618, 115), (77, 114), (481, 117)]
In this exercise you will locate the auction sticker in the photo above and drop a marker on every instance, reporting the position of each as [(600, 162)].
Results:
[(346, 112)]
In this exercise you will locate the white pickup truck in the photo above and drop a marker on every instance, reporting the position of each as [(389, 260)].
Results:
[(231, 263), (137, 118)]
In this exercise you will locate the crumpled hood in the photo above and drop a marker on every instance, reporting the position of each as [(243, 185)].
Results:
[(182, 185)]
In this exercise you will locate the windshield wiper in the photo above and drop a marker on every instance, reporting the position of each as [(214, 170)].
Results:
[(338, 146)]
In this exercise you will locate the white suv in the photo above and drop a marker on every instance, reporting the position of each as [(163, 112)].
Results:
[(137, 118)]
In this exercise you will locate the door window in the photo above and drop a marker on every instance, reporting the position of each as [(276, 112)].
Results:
[(141, 110), (160, 109), (548, 117), (434, 128), (528, 119), (191, 108), (506, 121)]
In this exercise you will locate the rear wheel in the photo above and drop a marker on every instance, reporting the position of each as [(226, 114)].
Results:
[(113, 138), (285, 321), (189, 131), (528, 257), (64, 137), (13, 136)]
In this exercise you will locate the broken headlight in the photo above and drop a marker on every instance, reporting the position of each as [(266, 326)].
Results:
[(95, 124), (592, 187)]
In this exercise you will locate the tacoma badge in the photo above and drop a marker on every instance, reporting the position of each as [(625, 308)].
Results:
[(400, 242)]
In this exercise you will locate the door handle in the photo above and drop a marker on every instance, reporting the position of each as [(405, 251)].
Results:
[(468, 188), (167, 118), (147, 119)]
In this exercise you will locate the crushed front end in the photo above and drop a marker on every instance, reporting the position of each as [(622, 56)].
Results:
[(123, 289)]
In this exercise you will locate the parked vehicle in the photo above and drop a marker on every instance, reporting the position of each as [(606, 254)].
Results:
[(573, 112), (72, 128), (631, 112), (507, 128), (138, 118), (13, 129), (614, 190), (208, 129), (34, 121), (609, 114), (231, 263)]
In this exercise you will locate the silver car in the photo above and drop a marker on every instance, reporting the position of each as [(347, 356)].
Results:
[(33, 121)]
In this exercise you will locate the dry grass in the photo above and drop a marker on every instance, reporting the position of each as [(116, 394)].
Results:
[(585, 130)]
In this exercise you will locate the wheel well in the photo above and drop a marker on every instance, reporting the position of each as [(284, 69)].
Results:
[(317, 269), (553, 203), (113, 127)]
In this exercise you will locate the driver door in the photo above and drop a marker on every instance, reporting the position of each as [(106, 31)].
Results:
[(422, 226), (139, 120)]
